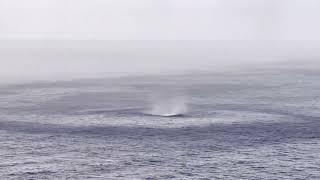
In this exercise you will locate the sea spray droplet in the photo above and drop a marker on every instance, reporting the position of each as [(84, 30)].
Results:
[(169, 107)]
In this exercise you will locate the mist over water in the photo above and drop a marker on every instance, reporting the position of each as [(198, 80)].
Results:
[(168, 106), (29, 61)]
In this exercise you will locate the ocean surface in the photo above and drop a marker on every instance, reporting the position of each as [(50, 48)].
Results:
[(255, 124)]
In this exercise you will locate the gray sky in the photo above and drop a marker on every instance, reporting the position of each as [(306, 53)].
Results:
[(160, 19), (248, 31)]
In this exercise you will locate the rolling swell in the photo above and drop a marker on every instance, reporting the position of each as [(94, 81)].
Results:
[(236, 134), (232, 129)]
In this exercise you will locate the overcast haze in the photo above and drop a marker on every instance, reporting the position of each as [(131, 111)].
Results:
[(247, 30), (160, 19)]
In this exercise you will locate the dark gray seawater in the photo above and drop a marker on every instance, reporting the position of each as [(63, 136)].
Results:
[(258, 124)]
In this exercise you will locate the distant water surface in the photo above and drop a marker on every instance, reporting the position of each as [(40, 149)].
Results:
[(241, 125)]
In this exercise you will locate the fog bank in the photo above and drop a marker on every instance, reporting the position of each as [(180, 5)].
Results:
[(25, 61)]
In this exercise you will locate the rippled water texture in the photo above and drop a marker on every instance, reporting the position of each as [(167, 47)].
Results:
[(240, 125)]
